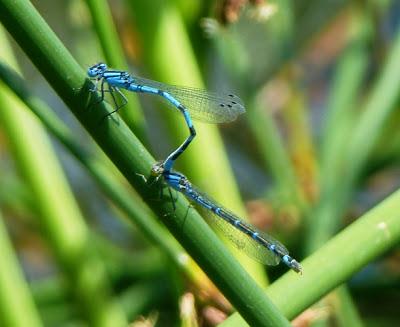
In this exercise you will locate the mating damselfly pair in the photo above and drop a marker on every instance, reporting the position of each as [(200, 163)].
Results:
[(207, 107)]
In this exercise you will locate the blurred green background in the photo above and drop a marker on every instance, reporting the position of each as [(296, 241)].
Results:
[(318, 147)]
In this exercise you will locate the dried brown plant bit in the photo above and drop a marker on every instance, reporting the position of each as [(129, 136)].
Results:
[(229, 11)]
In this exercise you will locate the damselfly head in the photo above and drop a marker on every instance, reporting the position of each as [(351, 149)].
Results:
[(157, 169), (97, 70)]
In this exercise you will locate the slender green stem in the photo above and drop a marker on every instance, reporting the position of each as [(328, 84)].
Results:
[(157, 29), (180, 67), (50, 290), (17, 308), (338, 121), (340, 116), (143, 297), (136, 212), (300, 144), (379, 104), (366, 239), (314, 18), (346, 311), (69, 81), (114, 55), (273, 152), (58, 213)]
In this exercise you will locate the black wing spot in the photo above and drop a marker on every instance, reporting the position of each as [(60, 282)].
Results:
[(221, 105), (233, 102), (231, 95), (229, 105)]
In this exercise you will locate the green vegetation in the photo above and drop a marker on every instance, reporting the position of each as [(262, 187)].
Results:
[(316, 156)]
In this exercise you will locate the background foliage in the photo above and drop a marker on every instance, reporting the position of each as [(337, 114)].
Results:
[(314, 161)]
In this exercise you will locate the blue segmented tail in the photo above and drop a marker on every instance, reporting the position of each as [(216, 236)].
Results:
[(256, 244)]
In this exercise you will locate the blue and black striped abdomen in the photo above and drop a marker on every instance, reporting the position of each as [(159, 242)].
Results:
[(254, 243)]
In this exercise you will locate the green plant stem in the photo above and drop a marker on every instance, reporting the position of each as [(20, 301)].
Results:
[(50, 290), (378, 106), (366, 239), (177, 65), (58, 214), (346, 312), (273, 152), (337, 131), (314, 18), (143, 297), (301, 147), (52, 296), (114, 55), (17, 308), (207, 146), (69, 81), (380, 103), (140, 215)]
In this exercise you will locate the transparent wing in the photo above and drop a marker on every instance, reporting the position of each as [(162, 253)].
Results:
[(208, 107), (240, 239), (245, 243)]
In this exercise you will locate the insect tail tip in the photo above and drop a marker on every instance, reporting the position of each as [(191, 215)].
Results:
[(297, 267)]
